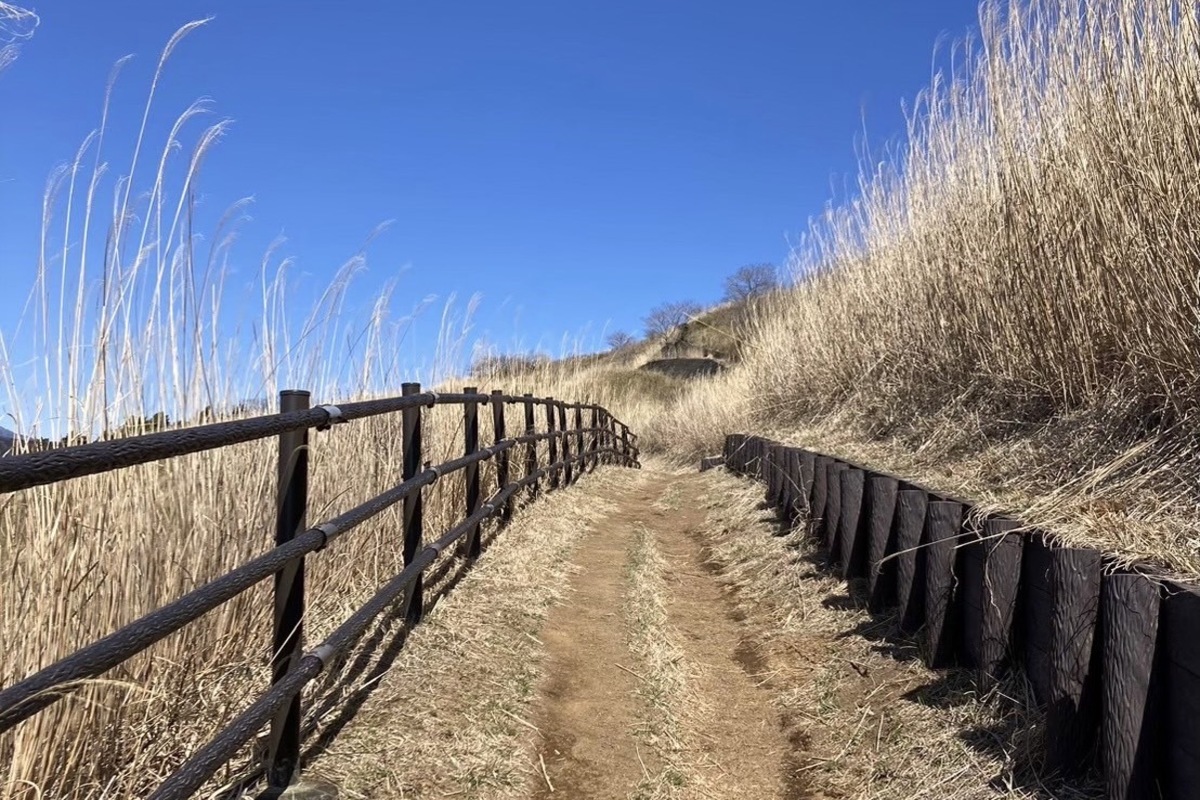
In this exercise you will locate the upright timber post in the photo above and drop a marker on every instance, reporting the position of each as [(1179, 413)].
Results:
[(471, 474), (291, 518), (502, 460), (595, 450), (579, 439), (552, 443), (531, 450), (568, 470), (413, 505)]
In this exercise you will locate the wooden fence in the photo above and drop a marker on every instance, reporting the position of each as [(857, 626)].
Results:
[(1112, 653), (573, 448)]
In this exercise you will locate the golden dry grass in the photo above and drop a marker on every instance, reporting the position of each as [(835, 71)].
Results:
[(1010, 308), (662, 681), (452, 715)]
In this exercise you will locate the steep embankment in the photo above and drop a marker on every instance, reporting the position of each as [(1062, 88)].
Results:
[(1010, 309)]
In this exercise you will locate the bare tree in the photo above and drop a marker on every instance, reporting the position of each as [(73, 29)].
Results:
[(668, 316), (750, 281), (619, 340)]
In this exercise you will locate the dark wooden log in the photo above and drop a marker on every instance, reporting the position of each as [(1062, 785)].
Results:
[(784, 481), (1001, 581), (820, 496), (1131, 746), (797, 500), (1180, 634), (770, 474), (853, 485), (808, 464), (833, 507), (711, 462), (881, 542), (1036, 609), (969, 593), (911, 506), (735, 453), (782, 454), (943, 524), (1074, 703)]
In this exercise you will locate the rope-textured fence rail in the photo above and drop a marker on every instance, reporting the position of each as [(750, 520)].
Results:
[(572, 451), (1111, 652)]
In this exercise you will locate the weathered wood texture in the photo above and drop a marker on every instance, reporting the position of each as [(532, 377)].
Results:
[(1132, 714), (1000, 552), (1073, 705), (882, 493), (911, 505), (820, 495), (943, 524), (1036, 610), (853, 484), (833, 506)]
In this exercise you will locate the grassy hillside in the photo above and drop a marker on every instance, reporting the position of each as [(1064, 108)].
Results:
[(1012, 308)]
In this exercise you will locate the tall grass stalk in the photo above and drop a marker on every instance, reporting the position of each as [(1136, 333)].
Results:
[(128, 317), (1012, 302)]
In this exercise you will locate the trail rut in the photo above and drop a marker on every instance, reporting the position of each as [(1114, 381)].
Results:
[(691, 721)]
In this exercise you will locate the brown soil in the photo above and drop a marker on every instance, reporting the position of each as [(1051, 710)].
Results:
[(589, 708)]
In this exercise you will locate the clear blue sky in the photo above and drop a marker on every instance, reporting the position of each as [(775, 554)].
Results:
[(573, 162)]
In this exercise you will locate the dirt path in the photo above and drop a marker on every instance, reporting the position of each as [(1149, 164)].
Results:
[(651, 691)]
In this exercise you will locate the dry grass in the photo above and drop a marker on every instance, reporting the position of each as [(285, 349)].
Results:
[(1011, 304), (1009, 308), (452, 715), (867, 721), (126, 319), (662, 679)]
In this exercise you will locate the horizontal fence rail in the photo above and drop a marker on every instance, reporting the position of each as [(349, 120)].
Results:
[(1111, 651), (573, 452)]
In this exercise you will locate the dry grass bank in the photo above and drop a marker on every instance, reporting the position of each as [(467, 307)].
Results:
[(1011, 308)]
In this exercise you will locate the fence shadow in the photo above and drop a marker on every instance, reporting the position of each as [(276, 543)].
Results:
[(349, 683)]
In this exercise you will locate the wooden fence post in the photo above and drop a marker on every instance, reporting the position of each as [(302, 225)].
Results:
[(579, 439), (943, 524), (1000, 576), (1073, 710), (531, 449), (853, 483), (911, 507), (569, 469), (498, 406), (595, 448), (471, 473), (552, 443), (413, 504), (291, 518), (820, 496), (881, 543), (1134, 720)]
